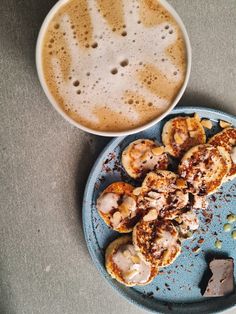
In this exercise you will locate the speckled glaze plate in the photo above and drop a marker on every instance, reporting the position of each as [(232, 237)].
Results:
[(176, 288)]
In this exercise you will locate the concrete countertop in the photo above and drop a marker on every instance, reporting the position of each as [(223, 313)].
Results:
[(44, 263)]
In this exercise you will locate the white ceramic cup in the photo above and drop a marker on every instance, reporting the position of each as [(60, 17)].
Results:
[(39, 45)]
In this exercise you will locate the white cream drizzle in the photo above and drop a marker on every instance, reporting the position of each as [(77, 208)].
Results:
[(132, 272), (129, 203), (144, 157), (190, 220), (107, 202)]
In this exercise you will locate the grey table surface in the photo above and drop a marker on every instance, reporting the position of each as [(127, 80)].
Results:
[(44, 263)]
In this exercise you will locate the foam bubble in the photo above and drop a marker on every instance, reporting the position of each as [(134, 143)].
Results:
[(124, 63), (114, 71), (94, 45)]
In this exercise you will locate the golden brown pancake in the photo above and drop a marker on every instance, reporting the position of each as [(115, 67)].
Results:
[(157, 241), (205, 167), (117, 207), (226, 139), (181, 133), (124, 264), (143, 156), (162, 191)]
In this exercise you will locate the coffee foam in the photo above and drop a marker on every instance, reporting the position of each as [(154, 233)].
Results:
[(113, 65)]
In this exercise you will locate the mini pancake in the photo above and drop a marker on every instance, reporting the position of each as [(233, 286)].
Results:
[(157, 241), (227, 139), (124, 264), (142, 156), (181, 133), (162, 191), (205, 167), (117, 207)]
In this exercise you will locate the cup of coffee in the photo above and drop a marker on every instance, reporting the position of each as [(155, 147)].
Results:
[(113, 67)]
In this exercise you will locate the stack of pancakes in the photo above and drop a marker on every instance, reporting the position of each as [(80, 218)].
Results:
[(162, 211)]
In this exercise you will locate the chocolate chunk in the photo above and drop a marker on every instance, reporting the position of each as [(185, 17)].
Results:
[(222, 281)]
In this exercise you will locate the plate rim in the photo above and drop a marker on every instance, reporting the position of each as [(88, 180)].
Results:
[(178, 110)]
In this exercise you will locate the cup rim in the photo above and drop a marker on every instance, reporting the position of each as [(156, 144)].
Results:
[(143, 127)]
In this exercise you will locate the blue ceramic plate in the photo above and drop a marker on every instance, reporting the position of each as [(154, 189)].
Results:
[(176, 288)]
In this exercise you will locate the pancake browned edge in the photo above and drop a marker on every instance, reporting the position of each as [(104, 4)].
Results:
[(165, 192), (205, 167), (121, 188), (157, 241), (182, 133), (142, 156), (113, 269), (226, 139)]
